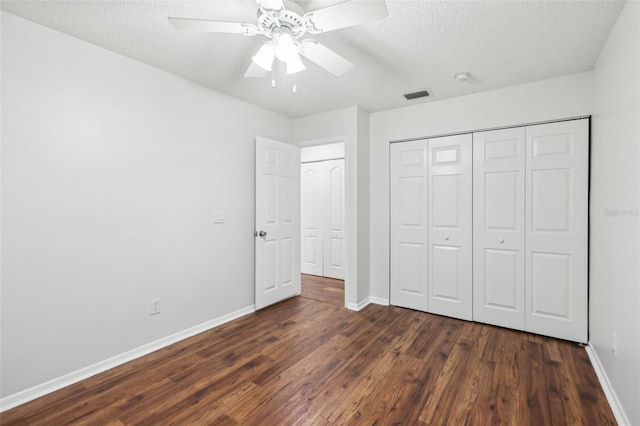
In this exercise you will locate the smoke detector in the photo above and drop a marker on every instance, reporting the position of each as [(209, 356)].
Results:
[(462, 77)]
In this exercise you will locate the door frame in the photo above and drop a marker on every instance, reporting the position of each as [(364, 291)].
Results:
[(351, 221)]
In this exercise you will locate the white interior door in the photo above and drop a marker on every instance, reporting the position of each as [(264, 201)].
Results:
[(334, 242), (498, 227), (408, 221), (556, 229), (312, 218), (450, 226), (277, 214)]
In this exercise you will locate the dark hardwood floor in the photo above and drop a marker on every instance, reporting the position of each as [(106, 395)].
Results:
[(314, 363), (323, 289)]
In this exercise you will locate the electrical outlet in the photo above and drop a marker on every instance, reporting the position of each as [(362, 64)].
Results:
[(155, 306)]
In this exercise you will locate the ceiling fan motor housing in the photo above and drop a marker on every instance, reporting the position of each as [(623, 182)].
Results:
[(290, 17)]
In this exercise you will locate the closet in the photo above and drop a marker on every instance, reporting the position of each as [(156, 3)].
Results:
[(493, 226), (323, 217)]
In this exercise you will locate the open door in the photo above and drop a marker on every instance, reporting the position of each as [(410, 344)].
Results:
[(277, 227)]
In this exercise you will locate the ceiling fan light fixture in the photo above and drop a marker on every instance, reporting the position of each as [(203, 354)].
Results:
[(264, 57), (286, 49), (295, 65)]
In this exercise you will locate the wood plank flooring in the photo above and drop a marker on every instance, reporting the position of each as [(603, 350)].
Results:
[(323, 289), (307, 362)]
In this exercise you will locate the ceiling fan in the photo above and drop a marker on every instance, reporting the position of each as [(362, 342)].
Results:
[(284, 23)]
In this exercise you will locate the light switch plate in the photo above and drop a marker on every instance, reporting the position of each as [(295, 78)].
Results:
[(218, 216)]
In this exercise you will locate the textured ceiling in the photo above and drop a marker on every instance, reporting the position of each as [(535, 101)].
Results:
[(422, 44)]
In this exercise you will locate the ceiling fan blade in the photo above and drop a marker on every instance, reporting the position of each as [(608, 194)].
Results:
[(188, 24), (343, 15), (324, 57), (255, 71)]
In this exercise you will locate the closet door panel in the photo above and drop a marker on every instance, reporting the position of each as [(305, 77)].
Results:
[(498, 227), (408, 221), (334, 247), (311, 220), (501, 268), (450, 222), (556, 229)]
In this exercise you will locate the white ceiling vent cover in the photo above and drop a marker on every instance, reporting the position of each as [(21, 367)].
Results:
[(416, 95)]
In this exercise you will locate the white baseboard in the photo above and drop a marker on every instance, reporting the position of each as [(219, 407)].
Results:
[(612, 398), (367, 301), (359, 306), (379, 301), (37, 391)]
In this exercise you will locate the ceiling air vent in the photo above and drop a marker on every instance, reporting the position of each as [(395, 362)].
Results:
[(416, 95)]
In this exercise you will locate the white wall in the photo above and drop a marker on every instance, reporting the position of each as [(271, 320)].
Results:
[(615, 203), (329, 126), (325, 126), (557, 98), (111, 171)]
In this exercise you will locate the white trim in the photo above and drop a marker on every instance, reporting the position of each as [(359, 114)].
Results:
[(359, 306), (322, 141), (42, 389), (612, 398), (379, 301), (367, 301), (319, 153)]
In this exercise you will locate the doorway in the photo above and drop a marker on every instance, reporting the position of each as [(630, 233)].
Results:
[(323, 217), (322, 289)]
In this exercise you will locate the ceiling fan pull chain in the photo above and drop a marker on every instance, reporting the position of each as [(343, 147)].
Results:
[(273, 76), (295, 89)]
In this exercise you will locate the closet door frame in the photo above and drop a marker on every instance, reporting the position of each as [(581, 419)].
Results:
[(323, 223), (505, 290)]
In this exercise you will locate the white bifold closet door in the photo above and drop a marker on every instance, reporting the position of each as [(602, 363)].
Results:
[(530, 228), (323, 218), (408, 218), (498, 227), (556, 237), (449, 235), (431, 220)]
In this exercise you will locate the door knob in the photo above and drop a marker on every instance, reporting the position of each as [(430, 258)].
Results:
[(501, 240), (446, 238), (260, 234)]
